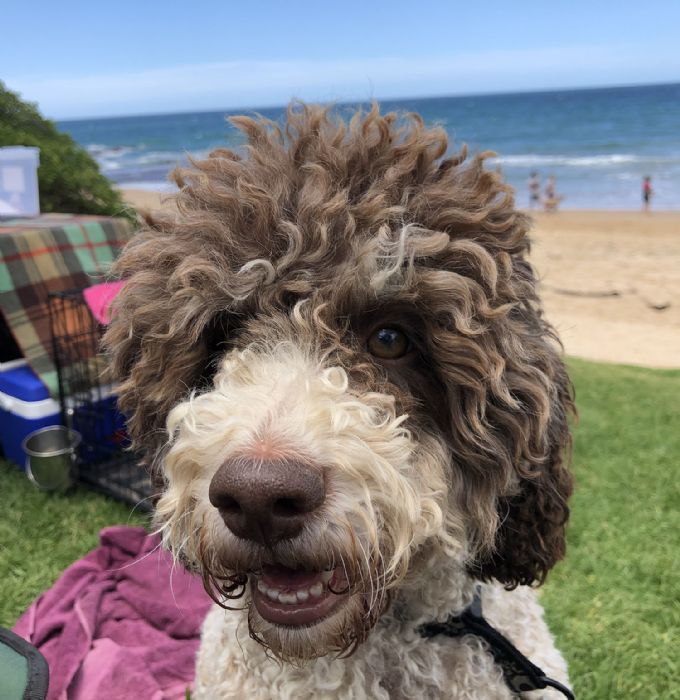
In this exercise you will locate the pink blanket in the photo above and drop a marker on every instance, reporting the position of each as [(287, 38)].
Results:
[(120, 623)]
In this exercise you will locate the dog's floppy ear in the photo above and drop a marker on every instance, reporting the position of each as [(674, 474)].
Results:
[(161, 334), (531, 535)]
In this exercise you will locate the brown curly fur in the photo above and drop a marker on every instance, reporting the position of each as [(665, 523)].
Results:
[(318, 203)]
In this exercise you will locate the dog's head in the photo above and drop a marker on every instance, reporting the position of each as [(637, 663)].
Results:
[(334, 357)]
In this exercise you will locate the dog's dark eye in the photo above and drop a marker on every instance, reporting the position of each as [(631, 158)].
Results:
[(388, 343)]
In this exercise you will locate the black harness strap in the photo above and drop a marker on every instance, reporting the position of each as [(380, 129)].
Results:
[(519, 673)]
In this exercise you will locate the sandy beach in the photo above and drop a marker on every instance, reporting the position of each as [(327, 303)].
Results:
[(610, 281)]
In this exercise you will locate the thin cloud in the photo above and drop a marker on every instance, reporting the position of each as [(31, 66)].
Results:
[(233, 84)]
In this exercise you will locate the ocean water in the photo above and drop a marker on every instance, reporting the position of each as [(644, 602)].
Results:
[(598, 143)]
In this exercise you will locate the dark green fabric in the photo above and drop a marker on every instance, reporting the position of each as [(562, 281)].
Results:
[(13, 673), (24, 674)]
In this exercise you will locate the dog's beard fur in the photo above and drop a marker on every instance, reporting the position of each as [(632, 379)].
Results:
[(387, 494)]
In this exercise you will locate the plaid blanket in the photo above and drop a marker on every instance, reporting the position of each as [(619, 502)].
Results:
[(51, 253)]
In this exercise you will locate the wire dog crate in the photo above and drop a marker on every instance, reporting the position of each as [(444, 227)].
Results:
[(89, 405)]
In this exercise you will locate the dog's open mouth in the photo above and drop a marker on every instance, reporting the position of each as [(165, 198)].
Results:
[(295, 596)]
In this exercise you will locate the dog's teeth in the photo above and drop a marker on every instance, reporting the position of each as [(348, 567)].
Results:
[(292, 598), (287, 598)]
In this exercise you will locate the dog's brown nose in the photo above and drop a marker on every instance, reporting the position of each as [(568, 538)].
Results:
[(266, 500)]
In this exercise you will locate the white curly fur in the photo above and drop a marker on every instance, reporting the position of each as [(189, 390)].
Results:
[(393, 493), (394, 663)]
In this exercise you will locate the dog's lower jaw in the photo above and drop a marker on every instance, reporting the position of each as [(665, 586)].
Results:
[(334, 624), (299, 615)]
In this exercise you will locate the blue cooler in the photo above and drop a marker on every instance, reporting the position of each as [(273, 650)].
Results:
[(25, 406)]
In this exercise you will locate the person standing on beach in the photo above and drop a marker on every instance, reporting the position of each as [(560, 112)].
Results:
[(534, 184), (647, 192), (552, 199)]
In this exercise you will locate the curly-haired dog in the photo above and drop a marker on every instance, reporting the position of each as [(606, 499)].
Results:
[(333, 355)]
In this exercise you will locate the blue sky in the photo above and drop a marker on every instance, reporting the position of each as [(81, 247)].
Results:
[(78, 59)]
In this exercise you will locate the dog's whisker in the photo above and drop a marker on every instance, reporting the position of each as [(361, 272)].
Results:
[(367, 569)]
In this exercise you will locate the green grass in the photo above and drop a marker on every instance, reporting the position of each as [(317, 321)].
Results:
[(42, 533), (613, 604)]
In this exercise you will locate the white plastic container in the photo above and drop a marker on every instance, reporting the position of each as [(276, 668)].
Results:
[(19, 181)]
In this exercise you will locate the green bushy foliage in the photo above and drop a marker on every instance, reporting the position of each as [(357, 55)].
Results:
[(68, 177)]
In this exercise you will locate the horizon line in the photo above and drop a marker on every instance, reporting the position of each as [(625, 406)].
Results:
[(493, 93)]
